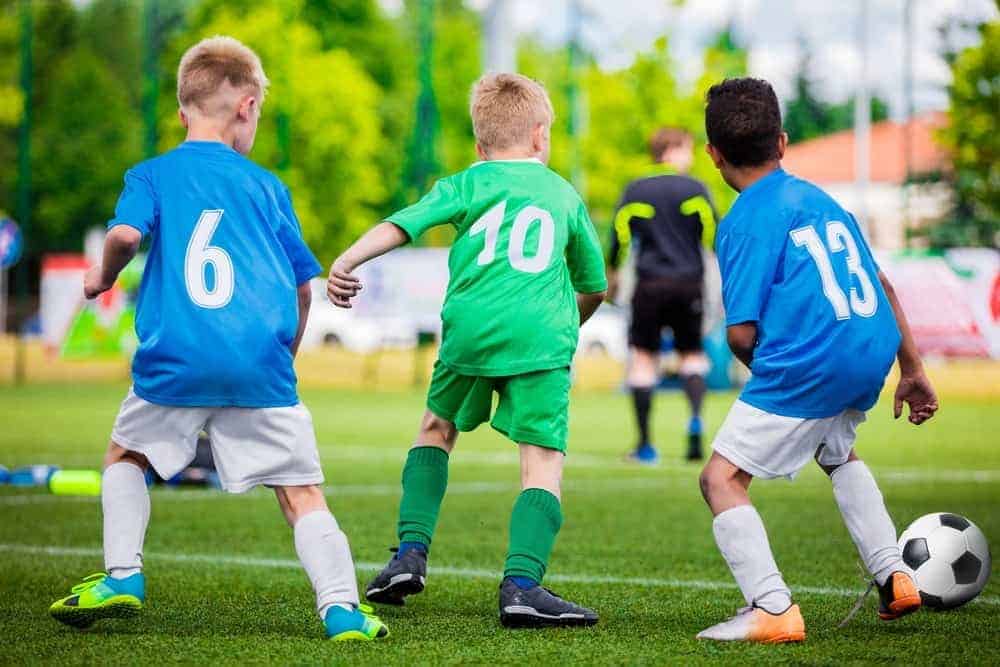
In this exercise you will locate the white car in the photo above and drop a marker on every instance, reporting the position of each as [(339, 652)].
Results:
[(605, 333), (329, 325)]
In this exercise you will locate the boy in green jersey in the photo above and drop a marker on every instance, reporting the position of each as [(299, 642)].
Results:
[(526, 270)]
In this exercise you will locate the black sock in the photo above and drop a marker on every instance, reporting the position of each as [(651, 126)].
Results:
[(642, 397), (694, 389)]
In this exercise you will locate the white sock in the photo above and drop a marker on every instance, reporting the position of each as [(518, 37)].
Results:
[(326, 557), (125, 500), (741, 537), (867, 520)]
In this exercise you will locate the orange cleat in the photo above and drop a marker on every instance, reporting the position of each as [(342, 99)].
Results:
[(752, 624), (898, 596)]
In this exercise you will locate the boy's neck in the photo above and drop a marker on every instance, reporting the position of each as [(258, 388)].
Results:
[(211, 132), (742, 178), (519, 154)]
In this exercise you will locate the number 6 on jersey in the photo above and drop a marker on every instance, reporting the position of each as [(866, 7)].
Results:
[(199, 255)]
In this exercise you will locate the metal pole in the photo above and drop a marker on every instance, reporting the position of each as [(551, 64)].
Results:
[(150, 74), (499, 54), (862, 123), (573, 97), (24, 181), (908, 22)]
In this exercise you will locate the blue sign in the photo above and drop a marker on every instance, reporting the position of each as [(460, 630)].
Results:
[(11, 243)]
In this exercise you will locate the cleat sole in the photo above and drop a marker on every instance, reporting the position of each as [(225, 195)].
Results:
[(84, 617), (901, 607), (397, 590), (519, 621)]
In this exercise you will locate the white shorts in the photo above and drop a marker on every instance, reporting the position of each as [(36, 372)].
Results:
[(768, 445), (250, 446)]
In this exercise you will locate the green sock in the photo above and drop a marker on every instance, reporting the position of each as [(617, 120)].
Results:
[(534, 524), (425, 478)]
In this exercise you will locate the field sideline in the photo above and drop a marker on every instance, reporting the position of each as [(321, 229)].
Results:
[(636, 545)]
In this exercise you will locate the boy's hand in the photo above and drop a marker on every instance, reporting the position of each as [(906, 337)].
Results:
[(94, 284), (915, 390), (342, 285)]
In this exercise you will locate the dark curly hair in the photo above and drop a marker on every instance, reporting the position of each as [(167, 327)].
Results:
[(743, 121)]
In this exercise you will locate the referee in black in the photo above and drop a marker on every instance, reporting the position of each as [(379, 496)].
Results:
[(665, 219)]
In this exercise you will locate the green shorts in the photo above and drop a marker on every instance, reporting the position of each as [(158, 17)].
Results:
[(533, 408)]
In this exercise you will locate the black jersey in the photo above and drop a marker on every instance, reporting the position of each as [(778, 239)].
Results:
[(666, 219)]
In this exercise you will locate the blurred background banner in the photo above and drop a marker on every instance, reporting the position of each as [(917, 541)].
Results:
[(369, 105)]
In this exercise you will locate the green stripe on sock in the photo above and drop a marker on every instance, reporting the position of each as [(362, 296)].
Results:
[(534, 524), (425, 478)]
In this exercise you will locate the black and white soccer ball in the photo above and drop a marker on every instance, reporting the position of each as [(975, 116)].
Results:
[(949, 557)]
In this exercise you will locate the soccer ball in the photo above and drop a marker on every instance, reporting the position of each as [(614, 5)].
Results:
[(949, 557)]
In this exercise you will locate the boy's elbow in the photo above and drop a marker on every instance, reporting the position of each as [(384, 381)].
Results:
[(742, 337), (126, 239)]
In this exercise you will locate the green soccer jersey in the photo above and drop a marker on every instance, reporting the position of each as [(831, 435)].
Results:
[(524, 246)]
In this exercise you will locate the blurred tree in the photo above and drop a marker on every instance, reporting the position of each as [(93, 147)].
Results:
[(330, 102), (973, 136), (807, 116)]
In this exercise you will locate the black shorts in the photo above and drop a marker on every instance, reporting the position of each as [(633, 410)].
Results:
[(659, 304)]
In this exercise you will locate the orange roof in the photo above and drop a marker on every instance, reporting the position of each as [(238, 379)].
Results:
[(830, 159)]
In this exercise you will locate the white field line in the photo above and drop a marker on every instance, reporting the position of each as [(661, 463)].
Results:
[(342, 490), (484, 487), (457, 572)]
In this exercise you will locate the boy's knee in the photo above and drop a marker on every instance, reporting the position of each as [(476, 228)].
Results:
[(118, 454), (437, 432), (297, 501)]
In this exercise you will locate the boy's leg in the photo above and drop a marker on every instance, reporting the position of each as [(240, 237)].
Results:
[(424, 481), (863, 508), (537, 515), (741, 537), (125, 504), (642, 376)]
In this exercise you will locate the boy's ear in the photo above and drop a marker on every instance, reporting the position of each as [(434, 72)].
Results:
[(246, 107), (481, 153), (782, 144), (538, 137), (183, 117)]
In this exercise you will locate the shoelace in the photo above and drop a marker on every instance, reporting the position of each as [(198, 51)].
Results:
[(860, 602), (89, 582)]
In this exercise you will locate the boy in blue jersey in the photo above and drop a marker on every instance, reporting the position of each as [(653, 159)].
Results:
[(818, 324), (221, 310)]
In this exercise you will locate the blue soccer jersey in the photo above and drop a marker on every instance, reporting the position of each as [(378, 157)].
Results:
[(217, 310), (795, 263)]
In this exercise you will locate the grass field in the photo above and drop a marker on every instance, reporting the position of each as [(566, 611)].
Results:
[(224, 586)]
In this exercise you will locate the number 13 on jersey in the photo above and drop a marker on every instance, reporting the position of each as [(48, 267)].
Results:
[(863, 301)]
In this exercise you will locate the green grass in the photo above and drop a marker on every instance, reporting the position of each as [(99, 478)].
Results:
[(619, 522)]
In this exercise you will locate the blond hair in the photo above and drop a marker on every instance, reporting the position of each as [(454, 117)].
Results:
[(209, 66), (506, 108)]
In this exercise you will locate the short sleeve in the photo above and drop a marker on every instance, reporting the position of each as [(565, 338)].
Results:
[(137, 203), (748, 266), (304, 263), (584, 256), (440, 206)]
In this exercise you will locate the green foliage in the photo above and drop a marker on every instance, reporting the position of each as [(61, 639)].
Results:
[(613, 149), (330, 102), (973, 135), (807, 116)]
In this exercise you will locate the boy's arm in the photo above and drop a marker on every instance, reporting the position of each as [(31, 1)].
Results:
[(304, 293), (120, 246), (914, 388), (742, 339), (587, 304), (342, 286)]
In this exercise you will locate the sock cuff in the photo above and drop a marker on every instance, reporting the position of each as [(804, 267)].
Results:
[(739, 514), (848, 469), (317, 517), (123, 468), (428, 455), (543, 501), (642, 390)]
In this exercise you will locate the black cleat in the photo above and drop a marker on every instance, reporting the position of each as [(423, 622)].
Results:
[(404, 575), (539, 607), (694, 447)]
